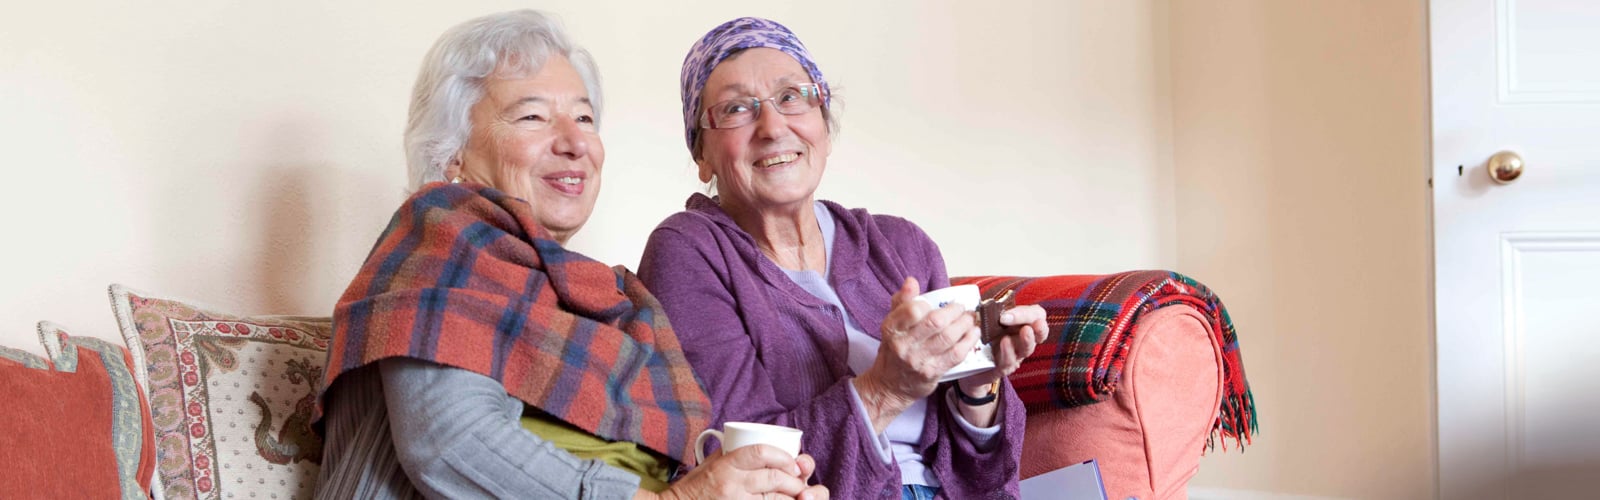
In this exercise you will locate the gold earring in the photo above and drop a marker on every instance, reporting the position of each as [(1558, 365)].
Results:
[(456, 180)]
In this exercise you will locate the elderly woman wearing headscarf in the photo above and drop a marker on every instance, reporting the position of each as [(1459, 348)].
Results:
[(473, 355), (801, 312)]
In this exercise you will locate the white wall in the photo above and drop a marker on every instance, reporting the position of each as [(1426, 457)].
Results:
[(246, 154), (1301, 143)]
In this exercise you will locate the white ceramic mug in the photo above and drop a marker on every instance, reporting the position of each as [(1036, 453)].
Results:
[(968, 296), (735, 435)]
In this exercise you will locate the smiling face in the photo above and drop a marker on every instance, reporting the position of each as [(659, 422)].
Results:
[(535, 138), (775, 163)]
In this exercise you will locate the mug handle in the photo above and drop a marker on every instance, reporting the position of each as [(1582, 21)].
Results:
[(700, 445)]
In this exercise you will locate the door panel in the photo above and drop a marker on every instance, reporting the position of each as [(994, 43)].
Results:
[(1516, 266), (1553, 358), (1546, 50)]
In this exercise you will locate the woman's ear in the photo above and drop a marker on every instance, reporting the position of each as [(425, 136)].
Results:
[(453, 169), (706, 174)]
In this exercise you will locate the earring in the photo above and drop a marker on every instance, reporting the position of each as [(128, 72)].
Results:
[(456, 180)]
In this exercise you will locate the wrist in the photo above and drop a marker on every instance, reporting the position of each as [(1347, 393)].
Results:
[(885, 404), (976, 385)]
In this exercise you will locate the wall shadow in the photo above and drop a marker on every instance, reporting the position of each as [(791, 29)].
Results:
[(292, 205)]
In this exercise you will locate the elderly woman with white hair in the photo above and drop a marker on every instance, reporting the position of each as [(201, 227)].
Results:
[(473, 355)]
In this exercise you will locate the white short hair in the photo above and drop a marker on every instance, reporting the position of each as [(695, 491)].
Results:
[(453, 73)]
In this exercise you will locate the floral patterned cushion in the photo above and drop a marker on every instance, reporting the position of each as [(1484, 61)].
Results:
[(230, 396), (75, 425)]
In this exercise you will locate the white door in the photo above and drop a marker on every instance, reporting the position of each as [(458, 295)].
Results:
[(1517, 266)]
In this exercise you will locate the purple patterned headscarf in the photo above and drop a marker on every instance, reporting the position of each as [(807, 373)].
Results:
[(723, 41)]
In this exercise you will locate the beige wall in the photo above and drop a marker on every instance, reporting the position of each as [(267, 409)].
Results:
[(247, 153), (1301, 146)]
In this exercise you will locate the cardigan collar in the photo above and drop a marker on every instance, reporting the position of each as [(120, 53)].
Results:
[(847, 256)]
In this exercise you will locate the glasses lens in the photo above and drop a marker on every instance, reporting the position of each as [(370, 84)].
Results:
[(735, 113), (796, 100), (732, 113)]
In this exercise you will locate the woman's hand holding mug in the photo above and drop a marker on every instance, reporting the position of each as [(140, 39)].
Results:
[(920, 343), (756, 460)]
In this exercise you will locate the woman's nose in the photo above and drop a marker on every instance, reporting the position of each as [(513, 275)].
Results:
[(769, 122), (571, 140)]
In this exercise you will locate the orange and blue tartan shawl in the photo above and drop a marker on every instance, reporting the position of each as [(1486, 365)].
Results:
[(465, 277), (1091, 329)]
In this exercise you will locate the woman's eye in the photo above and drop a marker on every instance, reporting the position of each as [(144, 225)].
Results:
[(734, 108), (532, 118), (585, 119), (790, 95)]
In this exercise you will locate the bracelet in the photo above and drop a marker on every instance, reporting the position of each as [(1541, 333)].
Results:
[(994, 391)]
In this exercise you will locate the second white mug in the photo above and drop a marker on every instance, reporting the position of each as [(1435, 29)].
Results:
[(735, 435)]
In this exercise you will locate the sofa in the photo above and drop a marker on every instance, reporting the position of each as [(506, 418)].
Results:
[(204, 403)]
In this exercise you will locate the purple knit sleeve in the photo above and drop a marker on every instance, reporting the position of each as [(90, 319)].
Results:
[(691, 277)]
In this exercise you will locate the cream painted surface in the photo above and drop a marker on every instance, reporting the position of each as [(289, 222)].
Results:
[(1301, 146), (247, 154), (1515, 263)]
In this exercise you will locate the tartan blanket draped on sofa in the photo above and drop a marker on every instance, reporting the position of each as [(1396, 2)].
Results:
[(1091, 320)]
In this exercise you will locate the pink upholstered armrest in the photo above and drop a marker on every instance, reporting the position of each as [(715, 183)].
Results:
[(1148, 437), (1148, 427)]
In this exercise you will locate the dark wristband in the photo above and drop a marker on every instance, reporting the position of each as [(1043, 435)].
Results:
[(994, 392)]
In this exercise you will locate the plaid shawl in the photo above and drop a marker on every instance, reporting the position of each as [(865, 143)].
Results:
[(465, 277), (1090, 320)]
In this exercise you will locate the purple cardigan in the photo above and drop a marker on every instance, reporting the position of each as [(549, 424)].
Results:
[(766, 350)]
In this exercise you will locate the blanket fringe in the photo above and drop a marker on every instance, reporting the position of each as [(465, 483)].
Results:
[(1237, 420)]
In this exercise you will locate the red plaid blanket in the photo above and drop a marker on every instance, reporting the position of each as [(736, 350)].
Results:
[(1090, 322), (464, 276)]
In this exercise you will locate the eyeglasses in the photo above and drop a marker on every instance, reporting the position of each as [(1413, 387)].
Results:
[(735, 113)]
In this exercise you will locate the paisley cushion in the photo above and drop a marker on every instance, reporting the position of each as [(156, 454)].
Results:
[(230, 396)]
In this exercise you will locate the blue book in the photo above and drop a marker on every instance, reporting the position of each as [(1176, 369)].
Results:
[(1073, 482)]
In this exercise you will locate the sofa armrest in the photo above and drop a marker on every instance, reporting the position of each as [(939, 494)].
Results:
[(1141, 372), (1149, 435)]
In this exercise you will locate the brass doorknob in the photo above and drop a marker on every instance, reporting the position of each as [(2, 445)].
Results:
[(1505, 167)]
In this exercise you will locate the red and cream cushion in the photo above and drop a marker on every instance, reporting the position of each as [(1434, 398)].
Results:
[(75, 424)]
